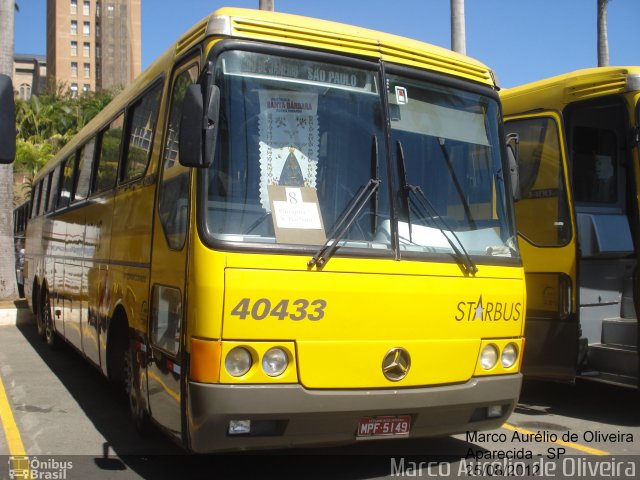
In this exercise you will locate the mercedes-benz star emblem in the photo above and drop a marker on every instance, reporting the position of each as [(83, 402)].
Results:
[(396, 364)]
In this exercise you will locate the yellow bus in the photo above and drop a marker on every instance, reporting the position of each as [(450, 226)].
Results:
[(578, 221), (289, 232)]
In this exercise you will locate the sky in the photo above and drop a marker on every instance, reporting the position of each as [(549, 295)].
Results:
[(521, 40)]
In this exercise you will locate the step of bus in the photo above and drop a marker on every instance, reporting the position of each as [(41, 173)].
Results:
[(612, 359), (610, 378), (620, 331)]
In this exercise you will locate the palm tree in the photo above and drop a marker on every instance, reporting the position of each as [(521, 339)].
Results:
[(8, 287), (458, 38), (603, 39)]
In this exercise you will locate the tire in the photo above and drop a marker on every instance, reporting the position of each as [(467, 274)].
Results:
[(51, 337), (137, 411), (40, 323)]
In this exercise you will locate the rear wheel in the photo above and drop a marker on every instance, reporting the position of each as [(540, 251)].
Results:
[(37, 310), (50, 335)]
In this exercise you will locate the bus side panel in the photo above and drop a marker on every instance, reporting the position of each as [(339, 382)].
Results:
[(54, 234), (131, 251), (72, 283), (99, 213), (33, 268)]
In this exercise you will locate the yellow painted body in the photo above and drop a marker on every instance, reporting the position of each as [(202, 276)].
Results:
[(372, 306)]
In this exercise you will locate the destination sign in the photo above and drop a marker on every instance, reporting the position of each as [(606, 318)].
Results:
[(259, 65)]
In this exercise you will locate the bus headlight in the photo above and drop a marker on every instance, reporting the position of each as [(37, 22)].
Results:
[(275, 362), (489, 357), (238, 361), (509, 355)]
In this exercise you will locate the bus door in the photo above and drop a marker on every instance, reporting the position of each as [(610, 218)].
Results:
[(605, 199), (547, 243), (169, 268)]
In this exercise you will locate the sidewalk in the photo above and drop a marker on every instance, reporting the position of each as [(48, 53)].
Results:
[(12, 310)]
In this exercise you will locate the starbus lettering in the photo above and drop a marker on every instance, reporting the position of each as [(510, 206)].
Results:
[(488, 311)]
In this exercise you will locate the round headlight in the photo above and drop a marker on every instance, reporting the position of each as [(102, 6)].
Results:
[(509, 355), (275, 362), (238, 362), (489, 357)]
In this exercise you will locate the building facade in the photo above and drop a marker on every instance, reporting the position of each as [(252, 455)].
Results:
[(29, 75), (93, 44)]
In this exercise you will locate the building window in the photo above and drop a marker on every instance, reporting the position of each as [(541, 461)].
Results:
[(87, 70), (74, 71), (85, 28), (97, 8), (98, 51), (86, 87), (74, 6), (74, 90), (25, 91), (110, 10), (74, 27), (74, 48), (85, 7), (86, 47)]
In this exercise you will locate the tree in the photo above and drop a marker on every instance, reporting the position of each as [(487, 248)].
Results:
[(603, 39), (47, 122), (458, 37), (8, 286)]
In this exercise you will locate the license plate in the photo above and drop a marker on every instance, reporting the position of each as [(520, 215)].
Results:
[(384, 426)]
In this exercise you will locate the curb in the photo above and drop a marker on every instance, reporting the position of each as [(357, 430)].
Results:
[(10, 312), (8, 316)]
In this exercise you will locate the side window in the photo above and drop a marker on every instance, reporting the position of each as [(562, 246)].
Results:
[(109, 156), (595, 166), (173, 198), (85, 167), (144, 115), (542, 211), (35, 200), (44, 195), (53, 189), (68, 172)]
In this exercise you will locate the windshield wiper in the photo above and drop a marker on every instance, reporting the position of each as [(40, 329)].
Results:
[(429, 211), (349, 216), (456, 183)]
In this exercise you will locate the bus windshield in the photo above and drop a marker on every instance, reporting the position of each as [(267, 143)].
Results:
[(449, 158), (297, 142), (299, 139)]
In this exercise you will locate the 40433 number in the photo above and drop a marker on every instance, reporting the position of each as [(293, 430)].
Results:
[(300, 309)]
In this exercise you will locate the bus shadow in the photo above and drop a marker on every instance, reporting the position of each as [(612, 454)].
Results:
[(585, 400), (157, 457), (103, 404)]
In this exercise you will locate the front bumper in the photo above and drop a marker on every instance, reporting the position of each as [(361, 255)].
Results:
[(292, 416)]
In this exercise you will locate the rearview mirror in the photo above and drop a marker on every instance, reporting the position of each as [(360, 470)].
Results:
[(512, 157), (199, 126), (7, 121)]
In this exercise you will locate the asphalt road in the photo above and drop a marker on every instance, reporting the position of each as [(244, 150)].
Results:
[(75, 425)]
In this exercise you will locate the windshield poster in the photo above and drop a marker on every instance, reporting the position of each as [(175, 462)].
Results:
[(289, 141)]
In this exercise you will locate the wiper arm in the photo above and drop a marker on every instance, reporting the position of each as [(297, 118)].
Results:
[(426, 205), (349, 216), (456, 183), (430, 211)]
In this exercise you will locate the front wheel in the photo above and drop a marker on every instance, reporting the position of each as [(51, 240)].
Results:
[(139, 415)]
